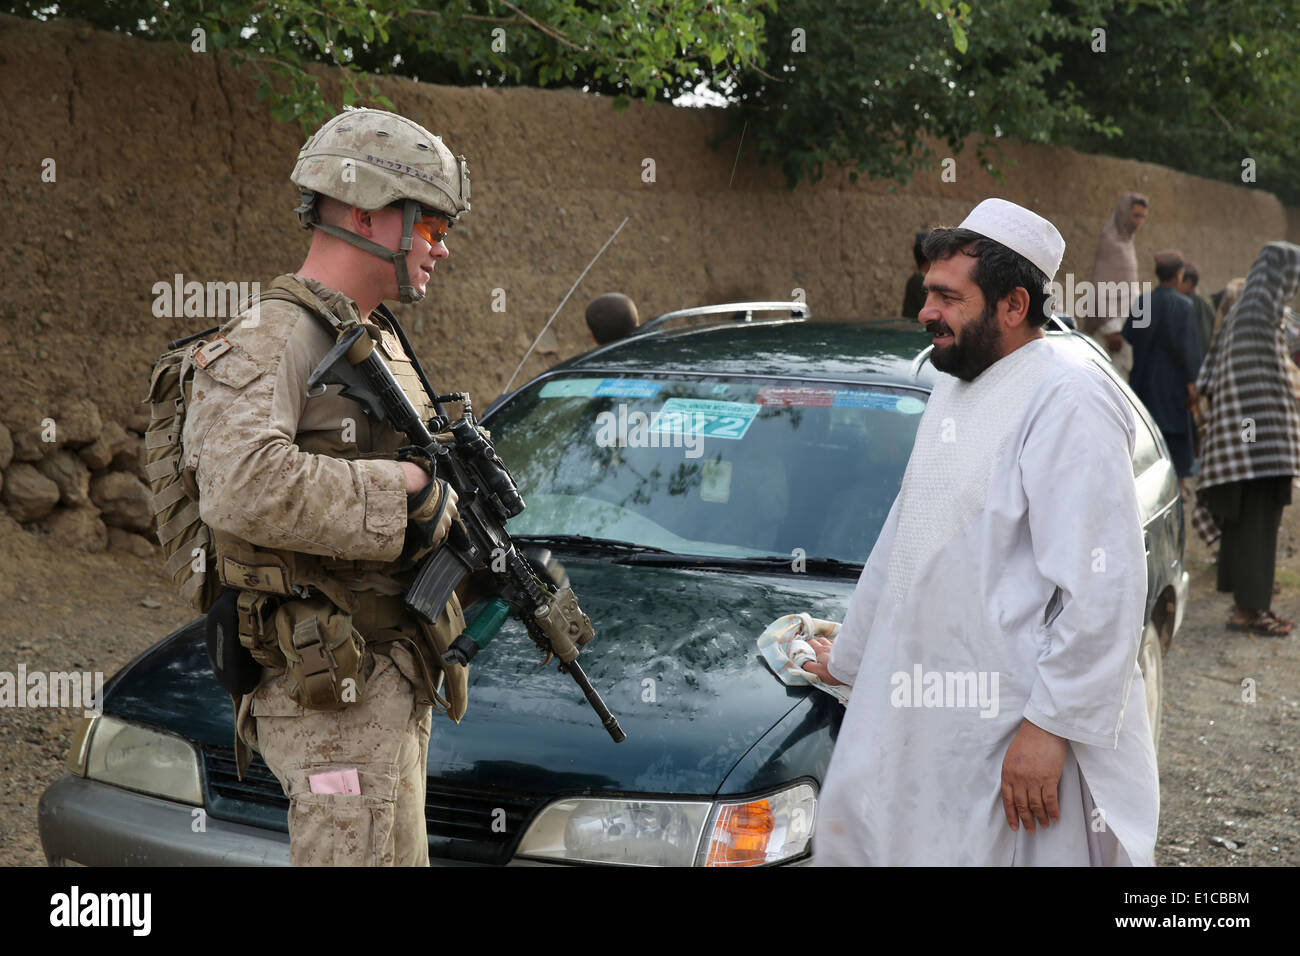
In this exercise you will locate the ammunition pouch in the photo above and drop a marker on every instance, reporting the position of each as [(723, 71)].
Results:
[(254, 612), (322, 653), (277, 589)]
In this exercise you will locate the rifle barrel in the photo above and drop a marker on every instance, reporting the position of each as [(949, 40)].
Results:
[(607, 719)]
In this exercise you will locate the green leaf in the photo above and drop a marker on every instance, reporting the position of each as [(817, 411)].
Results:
[(958, 37)]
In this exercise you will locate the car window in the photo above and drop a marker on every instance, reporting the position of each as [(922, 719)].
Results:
[(711, 465)]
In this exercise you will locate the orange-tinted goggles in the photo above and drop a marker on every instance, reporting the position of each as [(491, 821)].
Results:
[(432, 229)]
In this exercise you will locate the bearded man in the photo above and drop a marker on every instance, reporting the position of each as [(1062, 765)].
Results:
[(997, 715)]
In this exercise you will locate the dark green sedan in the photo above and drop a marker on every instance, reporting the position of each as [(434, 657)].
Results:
[(697, 481)]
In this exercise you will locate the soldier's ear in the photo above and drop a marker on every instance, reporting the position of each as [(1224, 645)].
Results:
[(362, 222)]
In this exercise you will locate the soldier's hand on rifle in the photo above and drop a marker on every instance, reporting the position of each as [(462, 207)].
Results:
[(430, 513)]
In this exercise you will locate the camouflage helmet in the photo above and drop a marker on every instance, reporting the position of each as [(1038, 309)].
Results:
[(371, 159)]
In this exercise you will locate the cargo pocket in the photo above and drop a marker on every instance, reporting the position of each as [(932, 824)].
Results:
[(385, 505), (233, 367), (331, 829)]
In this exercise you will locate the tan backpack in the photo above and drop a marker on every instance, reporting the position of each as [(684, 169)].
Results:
[(186, 541)]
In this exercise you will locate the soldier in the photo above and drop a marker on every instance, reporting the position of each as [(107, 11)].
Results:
[(316, 522)]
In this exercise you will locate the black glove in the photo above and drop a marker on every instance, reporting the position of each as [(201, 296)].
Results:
[(430, 512)]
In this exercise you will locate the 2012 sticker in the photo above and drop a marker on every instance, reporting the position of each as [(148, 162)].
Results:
[(711, 419)]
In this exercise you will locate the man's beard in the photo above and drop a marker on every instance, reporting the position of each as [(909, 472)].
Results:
[(971, 352)]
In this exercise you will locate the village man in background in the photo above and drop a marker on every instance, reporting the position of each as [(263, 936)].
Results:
[(316, 522), (1203, 312), (611, 317), (1116, 261), (1166, 357), (996, 715), (914, 293), (1252, 437)]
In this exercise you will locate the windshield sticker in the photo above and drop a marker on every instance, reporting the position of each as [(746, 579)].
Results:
[(846, 398), (570, 387), (716, 482), (796, 395), (808, 396), (910, 406), (627, 388), (601, 388), (691, 416)]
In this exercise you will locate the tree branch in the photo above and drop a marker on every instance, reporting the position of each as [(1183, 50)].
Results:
[(549, 31)]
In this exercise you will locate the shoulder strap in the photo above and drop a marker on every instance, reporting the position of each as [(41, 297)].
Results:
[(287, 289), (387, 313)]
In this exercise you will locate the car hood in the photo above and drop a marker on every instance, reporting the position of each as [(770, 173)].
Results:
[(674, 658)]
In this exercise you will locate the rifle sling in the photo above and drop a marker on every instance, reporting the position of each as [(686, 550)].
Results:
[(410, 353)]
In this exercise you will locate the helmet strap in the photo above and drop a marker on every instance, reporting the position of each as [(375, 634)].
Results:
[(406, 292)]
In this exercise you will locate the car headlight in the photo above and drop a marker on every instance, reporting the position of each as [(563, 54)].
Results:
[(139, 758), (631, 832), (769, 829)]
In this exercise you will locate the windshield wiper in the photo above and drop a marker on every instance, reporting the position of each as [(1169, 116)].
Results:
[(586, 542), (775, 562)]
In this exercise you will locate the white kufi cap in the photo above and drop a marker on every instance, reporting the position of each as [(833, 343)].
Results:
[(1020, 230)]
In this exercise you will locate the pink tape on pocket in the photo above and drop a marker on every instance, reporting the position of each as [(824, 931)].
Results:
[(335, 781)]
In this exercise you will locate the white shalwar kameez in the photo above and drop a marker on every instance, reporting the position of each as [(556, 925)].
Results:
[(1009, 581)]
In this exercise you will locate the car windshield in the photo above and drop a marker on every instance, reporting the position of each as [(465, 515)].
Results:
[(709, 466)]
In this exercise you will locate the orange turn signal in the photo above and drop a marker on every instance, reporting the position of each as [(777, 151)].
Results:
[(741, 835)]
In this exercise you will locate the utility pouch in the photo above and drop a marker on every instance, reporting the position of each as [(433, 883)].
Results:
[(322, 652), (253, 611)]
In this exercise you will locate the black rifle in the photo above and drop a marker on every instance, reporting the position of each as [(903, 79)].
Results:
[(486, 498)]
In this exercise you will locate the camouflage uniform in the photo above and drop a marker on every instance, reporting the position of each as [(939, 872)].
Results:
[(279, 469)]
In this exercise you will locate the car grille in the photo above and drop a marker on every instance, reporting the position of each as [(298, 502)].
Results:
[(465, 823), (258, 786)]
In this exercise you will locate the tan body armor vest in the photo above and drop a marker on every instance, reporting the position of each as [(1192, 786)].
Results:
[(371, 590)]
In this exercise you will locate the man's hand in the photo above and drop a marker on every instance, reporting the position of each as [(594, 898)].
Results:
[(1031, 772), (1114, 341), (822, 648)]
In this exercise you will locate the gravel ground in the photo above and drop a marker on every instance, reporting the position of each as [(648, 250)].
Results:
[(1230, 770)]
